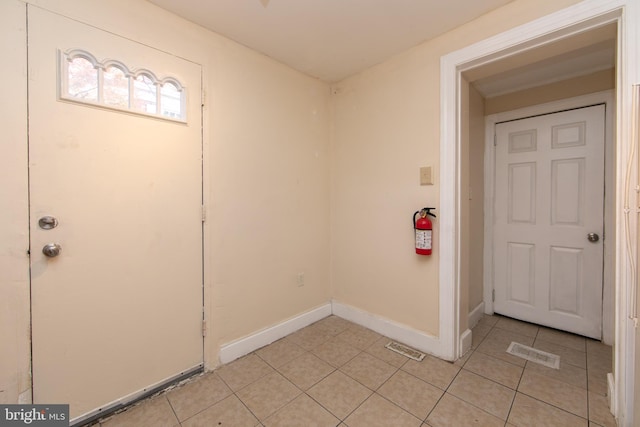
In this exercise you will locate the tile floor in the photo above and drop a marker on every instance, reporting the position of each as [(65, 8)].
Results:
[(336, 373)]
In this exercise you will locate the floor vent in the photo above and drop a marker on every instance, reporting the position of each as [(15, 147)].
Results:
[(405, 351), (534, 355)]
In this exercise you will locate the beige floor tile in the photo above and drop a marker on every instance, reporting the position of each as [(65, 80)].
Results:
[(368, 370), (155, 412), (478, 334), (379, 412), (529, 412), (306, 370), (567, 373), (555, 392), (453, 412), (598, 348), (303, 411), (599, 411), (499, 334), (564, 339), (487, 395), (379, 350), (517, 326), (336, 352), (600, 358), (567, 355), (597, 382), (411, 394), (309, 338), (339, 393), (359, 337), (332, 325), (461, 361), (244, 371), (432, 370), (229, 412), (494, 369), (268, 394), (489, 319), (497, 343), (197, 395), (280, 352)]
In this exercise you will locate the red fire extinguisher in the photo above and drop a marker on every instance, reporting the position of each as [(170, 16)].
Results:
[(424, 231)]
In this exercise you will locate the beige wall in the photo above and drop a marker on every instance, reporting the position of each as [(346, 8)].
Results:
[(591, 83), (471, 201), (475, 196), (386, 126)]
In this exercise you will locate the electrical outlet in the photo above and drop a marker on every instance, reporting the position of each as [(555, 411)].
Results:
[(300, 279)]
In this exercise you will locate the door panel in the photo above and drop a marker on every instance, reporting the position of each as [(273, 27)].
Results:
[(120, 308), (549, 196)]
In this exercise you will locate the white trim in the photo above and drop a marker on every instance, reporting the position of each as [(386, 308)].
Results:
[(611, 390), (476, 314), (233, 350), (466, 339), (606, 97), (402, 333), (575, 19)]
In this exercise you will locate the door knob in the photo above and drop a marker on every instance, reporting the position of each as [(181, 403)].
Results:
[(51, 250), (593, 237)]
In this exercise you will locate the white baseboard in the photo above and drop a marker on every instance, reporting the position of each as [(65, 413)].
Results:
[(465, 342), (402, 333), (475, 315), (611, 391), (231, 351)]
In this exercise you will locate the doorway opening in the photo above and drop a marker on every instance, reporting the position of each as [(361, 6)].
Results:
[(528, 41)]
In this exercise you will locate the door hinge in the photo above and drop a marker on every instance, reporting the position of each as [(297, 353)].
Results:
[(204, 213), (493, 295), (203, 99), (204, 328), (495, 139)]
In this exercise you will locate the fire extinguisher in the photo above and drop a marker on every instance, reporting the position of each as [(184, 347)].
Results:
[(424, 231)]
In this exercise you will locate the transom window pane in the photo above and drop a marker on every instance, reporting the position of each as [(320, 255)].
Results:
[(171, 100), (82, 79), (112, 84), (116, 87), (145, 96)]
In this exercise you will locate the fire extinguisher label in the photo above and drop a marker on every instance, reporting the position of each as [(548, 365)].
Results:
[(423, 239)]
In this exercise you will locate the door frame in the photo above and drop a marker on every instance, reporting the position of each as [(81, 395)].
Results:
[(200, 121), (606, 98), (581, 17)]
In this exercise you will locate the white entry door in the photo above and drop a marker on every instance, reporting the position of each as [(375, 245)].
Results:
[(548, 231), (117, 184)]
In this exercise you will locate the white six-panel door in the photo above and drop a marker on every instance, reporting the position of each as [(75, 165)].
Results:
[(548, 212), (120, 308)]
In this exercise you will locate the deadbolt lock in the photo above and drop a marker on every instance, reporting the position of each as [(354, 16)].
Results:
[(48, 222)]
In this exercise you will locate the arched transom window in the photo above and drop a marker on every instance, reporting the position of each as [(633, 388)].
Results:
[(111, 84)]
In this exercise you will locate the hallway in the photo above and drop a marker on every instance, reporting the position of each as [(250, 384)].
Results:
[(336, 373)]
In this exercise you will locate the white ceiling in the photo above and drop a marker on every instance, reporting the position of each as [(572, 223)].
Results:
[(330, 39)]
